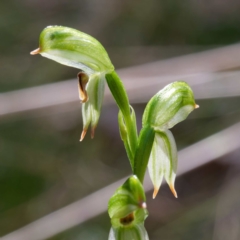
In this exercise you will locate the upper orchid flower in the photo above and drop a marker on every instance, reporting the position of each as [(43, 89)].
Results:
[(79, 50), (157, 147)]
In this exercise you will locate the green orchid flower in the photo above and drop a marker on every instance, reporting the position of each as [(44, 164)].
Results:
[(76, 49), (157, 148), (127, 210)]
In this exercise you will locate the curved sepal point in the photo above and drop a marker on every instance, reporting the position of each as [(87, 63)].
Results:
[(196, 106), (36, 51), (172, 188), (84, 131), (155, 192)]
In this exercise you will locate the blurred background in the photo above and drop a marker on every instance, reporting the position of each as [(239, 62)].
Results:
[(43, 166)]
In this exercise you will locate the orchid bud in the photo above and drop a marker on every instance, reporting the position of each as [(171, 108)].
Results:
[(127, 210), (127, 199)]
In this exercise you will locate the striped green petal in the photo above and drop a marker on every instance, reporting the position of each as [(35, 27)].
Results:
[(169, 106), (73, 48)]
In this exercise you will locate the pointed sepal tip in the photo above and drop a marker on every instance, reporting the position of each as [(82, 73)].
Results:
[(36, 51), (173, 191), (196, 106), (84, 131), (155, 192)]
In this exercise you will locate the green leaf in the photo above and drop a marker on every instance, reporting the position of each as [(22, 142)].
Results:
[(163, 161), (169, 106), (73, 48)]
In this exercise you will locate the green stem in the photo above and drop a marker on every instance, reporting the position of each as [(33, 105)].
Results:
[(143, 151), (120, 95)]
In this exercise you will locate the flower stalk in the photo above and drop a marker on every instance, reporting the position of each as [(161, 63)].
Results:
[(127, 120)]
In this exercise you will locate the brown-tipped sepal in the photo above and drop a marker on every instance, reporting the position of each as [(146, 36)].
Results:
[(196, 106), (172, 188), (36, 51), (83, 134), (163, 161), (155, 191), (93, 90)]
